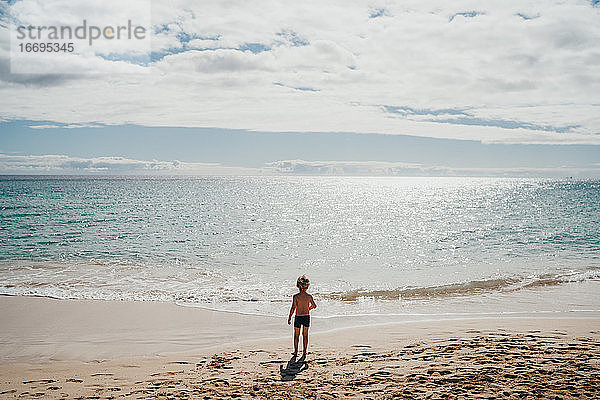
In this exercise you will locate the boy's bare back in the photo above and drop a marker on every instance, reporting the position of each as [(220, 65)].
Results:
[(303, 303)]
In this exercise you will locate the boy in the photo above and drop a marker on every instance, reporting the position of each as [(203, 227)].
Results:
[(302, 303)]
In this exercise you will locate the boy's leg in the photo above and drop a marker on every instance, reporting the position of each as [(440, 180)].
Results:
[(304, 339), (296, 339)]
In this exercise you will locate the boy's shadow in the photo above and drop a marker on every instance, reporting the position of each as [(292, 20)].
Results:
[(293, 368)]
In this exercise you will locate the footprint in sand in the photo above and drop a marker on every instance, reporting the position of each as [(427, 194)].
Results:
[(46, 381)]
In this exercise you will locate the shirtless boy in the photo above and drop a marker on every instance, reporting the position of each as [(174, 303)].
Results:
[(302, 304)]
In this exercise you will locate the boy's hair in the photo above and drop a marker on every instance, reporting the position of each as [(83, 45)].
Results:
[(303, 282)]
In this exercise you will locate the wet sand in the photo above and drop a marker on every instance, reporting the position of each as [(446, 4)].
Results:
[(546, 358)]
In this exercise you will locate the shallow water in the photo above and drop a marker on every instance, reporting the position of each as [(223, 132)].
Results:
[(371, 246)]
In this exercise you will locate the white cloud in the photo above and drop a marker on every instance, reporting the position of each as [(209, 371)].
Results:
[(379, 168), (519, 80), (86, 21), (62, 164), (68, 126)]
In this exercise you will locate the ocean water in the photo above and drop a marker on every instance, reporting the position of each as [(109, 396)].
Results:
[(377, 247)]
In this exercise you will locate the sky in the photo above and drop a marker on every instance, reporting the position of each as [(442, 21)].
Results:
[(507, 88)]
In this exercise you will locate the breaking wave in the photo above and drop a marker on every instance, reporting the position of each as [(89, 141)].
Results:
[(467, 288)]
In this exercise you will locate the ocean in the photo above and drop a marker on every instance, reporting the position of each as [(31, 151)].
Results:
[(379, 248)]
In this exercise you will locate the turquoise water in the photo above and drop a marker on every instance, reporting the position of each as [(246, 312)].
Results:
[(370, 245)]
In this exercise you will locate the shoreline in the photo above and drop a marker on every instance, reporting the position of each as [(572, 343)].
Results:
[(546, 296), (101, 349)]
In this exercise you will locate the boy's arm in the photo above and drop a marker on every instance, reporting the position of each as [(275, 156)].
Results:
[(312, 304), (292, 310)]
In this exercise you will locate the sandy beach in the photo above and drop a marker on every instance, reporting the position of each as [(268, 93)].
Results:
[(105, 350)]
